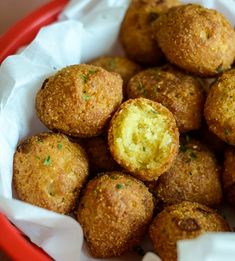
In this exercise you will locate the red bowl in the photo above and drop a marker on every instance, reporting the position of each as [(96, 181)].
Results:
[(12, 241)]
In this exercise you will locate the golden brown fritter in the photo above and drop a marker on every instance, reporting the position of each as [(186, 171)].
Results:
[(136, 35), (99, 155), (143, 138), (79, 100), (181, 93), (197, 39), (182, 221), (49, 171), (114, 213), (194, 176), (220, 106), (229, 175), (121, 65)]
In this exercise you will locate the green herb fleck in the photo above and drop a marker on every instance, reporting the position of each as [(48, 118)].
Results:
[(193, 155), (153, 111), (86, 97), (144, 149), (119, 186), (187, 138), (112, 64), (140, 86), (95, 190), (60, 146), (113, 177), (226, 132), (220, 69), (84, 78), (47, 161), (92, 72), (37, 157), (144, 93)]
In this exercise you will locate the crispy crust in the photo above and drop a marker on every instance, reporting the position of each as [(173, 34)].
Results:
[(197, 39), (220, 106), (144, 172), (49, 171), (136, 34), (114, 212), (182, 221), (181, 93), (194, 176), (79, 100)]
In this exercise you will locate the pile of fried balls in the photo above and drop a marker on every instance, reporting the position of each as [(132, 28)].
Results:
[(141, 144)]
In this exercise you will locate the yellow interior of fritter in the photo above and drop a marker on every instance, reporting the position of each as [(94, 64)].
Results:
[(141, 136)]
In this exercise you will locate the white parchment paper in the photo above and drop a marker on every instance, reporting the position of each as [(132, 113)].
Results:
[(87, 29)]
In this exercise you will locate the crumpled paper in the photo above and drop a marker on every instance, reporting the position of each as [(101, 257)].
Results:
[(87, 29)]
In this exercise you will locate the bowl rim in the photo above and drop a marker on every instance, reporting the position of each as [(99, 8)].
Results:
[(24, 31)]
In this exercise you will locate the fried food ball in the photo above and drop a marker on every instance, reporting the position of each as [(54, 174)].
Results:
[(220, 106), (136, 34), (114, 213), (49, 171), (182, 221), (99, 155), (79, 100), (229, 175), (143, 138), (121, 65), (194, 176), (181, 93), (197, 39)]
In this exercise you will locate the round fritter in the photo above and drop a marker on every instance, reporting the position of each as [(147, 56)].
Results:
[(197, 39), (229, 175), (182, 94), (49, 171), (121, 65), (182, 221), (220, 106), (79, 100), (194, 176), (114, 213), (136, 34), (143, 138), (99, 155)]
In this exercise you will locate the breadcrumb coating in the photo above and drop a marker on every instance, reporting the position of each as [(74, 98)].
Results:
[(220, 106), (114, 212), (79, 100), (197, 39), (49, 171), (194, 176), (183, 221), (181, 93)]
